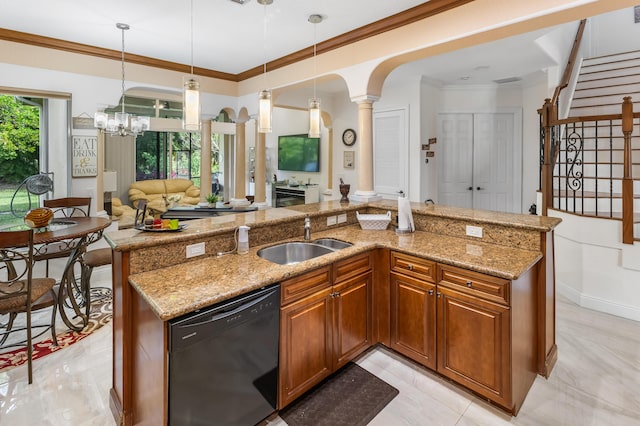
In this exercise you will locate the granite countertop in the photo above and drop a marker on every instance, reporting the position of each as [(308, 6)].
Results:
[(512, 220), (131, 239), (183, 288)]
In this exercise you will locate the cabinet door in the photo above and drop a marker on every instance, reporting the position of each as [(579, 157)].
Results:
[(473, 344), (352, 316), (413, 319), (305, 345)]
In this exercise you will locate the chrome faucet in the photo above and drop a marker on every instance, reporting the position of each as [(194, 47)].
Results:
[(307, 228)]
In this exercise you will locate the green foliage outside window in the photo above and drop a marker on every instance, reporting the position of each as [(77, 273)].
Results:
[(19, 140)]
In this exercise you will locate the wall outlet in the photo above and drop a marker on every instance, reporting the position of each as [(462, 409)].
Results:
[(474, 231), (195, 250), (342, 218), (331, 220)]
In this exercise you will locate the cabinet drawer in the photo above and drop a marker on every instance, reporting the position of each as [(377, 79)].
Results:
[(352, 266), (303, 285), (421, 269), (474, 283)]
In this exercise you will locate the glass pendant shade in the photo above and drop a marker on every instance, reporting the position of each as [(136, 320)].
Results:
[(100, 120), (314, 118), (264, 112), (191, 106)]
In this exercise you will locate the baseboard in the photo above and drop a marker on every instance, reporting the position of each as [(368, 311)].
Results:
[(598, 304)]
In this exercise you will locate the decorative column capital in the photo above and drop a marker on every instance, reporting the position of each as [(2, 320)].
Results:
[(365, 99)]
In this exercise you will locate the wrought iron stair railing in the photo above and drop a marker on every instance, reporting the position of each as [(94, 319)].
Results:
[(591, 166)]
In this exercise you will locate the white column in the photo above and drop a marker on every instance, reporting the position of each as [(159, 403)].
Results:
[(205, 160), (240, 189), (365, 190), (260, 199)]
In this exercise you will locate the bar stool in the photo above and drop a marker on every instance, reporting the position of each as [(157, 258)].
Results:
[(89, 260), (102, 257)]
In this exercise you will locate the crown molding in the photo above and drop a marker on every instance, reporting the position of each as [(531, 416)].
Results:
[(389, 23)]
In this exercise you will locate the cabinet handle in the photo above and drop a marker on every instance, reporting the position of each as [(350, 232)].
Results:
[(438, 294), (470, 188), (336, 294), (410, 266), (430, 292), (469, 284)]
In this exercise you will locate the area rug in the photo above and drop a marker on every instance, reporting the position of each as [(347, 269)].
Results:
[(352, 396), (100, 314)]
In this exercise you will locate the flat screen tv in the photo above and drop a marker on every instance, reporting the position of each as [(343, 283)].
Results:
[(298, 153)]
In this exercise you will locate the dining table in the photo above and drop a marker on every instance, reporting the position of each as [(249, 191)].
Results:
[(72, 235)]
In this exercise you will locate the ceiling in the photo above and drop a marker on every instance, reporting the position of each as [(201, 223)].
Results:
[(227, 36), (230, 37)]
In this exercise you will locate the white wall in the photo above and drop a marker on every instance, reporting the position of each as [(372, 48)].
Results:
[(593, 268), (614, 32), (291, 122), (344, 114), (404, 91), (532, 99), (430, 99)]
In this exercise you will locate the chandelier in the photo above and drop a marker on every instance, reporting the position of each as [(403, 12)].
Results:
[(121, 123)]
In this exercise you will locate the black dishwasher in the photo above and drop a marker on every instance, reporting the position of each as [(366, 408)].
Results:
[(223, 361)]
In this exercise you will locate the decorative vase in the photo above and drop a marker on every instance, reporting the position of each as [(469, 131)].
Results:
[(344, 190), (38, 218)]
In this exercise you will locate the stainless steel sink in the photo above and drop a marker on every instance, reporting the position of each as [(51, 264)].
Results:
[(332, 243), (294, 252)]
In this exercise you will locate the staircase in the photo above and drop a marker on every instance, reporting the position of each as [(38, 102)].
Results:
[(588, 147), (603, 82)]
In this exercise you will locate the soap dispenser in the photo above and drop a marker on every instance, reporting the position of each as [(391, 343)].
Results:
[(243, 239)]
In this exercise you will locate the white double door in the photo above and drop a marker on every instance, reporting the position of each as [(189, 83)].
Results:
[(480, 160)]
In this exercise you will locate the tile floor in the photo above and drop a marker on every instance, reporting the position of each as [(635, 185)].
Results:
[(595, 382)]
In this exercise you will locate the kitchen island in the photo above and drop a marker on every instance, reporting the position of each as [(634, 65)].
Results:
[(508, 273)]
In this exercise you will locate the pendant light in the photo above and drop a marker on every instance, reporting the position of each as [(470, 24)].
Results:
[(264, 106), (118, 124), (191, 95), (314, 103)]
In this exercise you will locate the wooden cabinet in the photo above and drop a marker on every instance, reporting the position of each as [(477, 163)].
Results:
[(352, 317), (473, 328), (413, 308), (306, 352), (325, 321), (473, 344), (486, 333)]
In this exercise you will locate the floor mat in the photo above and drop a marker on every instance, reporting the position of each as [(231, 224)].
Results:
[(352, 396)]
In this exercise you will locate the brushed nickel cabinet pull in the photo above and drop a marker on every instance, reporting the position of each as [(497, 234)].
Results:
[(410, 266), (469, 284), (430, 292)]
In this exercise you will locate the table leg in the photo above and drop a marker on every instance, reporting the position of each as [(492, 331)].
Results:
[(66, 291)]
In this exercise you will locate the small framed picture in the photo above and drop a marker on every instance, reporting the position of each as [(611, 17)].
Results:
[(349, 159)]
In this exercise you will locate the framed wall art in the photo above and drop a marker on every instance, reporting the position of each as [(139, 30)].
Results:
[(84, 156)]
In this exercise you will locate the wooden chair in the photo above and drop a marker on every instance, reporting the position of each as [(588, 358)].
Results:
[(102, 257), (62, 208), (18, 288)]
